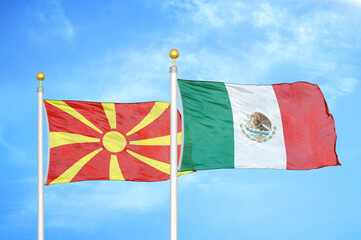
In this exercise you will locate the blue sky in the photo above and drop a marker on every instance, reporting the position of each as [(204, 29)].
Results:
[(118, 51)]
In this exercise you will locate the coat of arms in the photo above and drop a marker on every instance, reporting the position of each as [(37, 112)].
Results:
[(258, 128)]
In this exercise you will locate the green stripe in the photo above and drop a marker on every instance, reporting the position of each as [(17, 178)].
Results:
[(208, 126)]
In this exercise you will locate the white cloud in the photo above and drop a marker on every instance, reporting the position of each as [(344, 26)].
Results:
[(210, 13), (348, 85), (338, 87), (13, 151), (135, 75), (86, 204), (267, 16), (123, 75), (128, 75), (356, 3), (313, 44), (52, 22), (304, 40)]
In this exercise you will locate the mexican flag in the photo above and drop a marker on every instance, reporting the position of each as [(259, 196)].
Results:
[(281, 126)]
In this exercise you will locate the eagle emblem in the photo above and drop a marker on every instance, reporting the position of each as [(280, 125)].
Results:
[(258, 128)]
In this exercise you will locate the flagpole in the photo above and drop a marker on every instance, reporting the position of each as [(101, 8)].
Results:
[(173, 148), (40, 76)]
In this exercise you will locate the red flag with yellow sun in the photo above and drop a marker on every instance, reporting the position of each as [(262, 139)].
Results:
[(108, 141)]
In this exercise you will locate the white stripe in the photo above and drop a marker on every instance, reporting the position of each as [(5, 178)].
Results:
[(183, 132), (246, 100)]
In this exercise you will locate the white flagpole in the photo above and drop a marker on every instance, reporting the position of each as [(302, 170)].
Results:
[(40, 76), (173, 148)]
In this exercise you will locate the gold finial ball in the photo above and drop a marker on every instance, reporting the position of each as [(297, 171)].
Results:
[(173, 53), (40, 76)]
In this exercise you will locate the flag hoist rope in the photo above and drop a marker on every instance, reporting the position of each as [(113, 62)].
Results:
[(40, 76), (173, 148)]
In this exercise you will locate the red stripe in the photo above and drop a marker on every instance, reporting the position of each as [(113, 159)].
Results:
[(308, 127)]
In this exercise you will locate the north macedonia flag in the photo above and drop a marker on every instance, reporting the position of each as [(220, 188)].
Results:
[(108, 141)]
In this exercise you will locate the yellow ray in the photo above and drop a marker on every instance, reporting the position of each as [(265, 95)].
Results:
[(182, 173), (70, 173), (63, 138), (114, 170), (161, 166), (158, 141), (157, 110), (109, 109), (71, 111)]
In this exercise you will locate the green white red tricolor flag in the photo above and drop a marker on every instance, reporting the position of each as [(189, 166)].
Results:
[(281, 126)]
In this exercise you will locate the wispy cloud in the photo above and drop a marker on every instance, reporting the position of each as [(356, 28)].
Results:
[(314, 44), (80, 205), (267, 16), (123, 75), (348, 85), (356, 3), (210, 13), (249, 44), (336, 88), (83, 206), (12, 151), (136, 75), (52, 21), (310, 40)]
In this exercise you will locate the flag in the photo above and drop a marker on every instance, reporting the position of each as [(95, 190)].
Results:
[(108, 141), (281, 126)]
